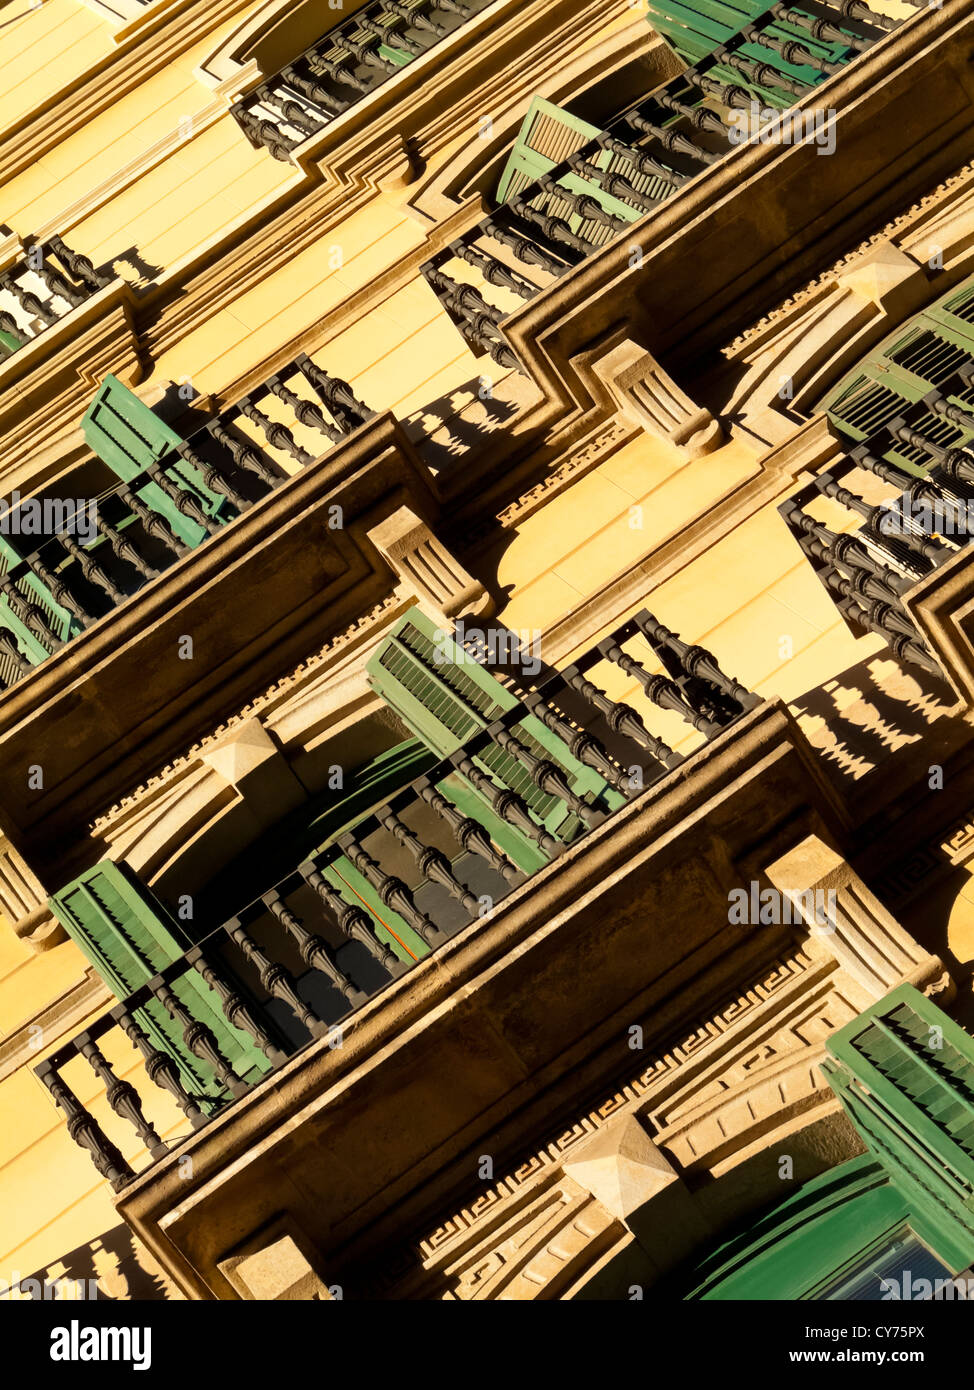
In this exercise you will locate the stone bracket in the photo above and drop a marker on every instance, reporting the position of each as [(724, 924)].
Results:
[(650, 398), (426, 569)]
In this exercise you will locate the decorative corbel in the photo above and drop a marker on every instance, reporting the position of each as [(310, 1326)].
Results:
[(426, 569), (650, 398)]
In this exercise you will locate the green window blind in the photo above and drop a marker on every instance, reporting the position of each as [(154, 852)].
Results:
[(548, 135), (60, 620), (909, 364), (445, 696), (129, 937), (904, 1073), (128, 436)]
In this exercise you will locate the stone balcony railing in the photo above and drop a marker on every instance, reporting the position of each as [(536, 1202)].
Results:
[(42, 287), (345, 67), (304, 958), (644, 157), (893, 510), (146, 524)]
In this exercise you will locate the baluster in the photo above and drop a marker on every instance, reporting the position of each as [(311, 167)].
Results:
[(525, 250), (905, 648), (494, 271), (671, 139), (184, 501), (365, 52), (392, 891), (212, 477), (90, 568), (124, 548), (481, 318), (613, 183), (8, 324), (660, 689), (412, 18), (956, 463), (581, 744), (554, 228), (28, 301), (58, 284), (275, 978), (235, 1008), (696, 661), (85, 1131), (266, 133), (762, 74), (338, 71), (434, 866), (392, 36), (622, 719), (32, 614), (700, 117), (336, 394), (582, 204), (910, 534), (822, 29), (244, 454), (314, 91), (862, 590), (197, 1037), (352, 921), (277, 435), (469, 833), (58, 589), (959, 414), (292, 111), (793, 52), (506, 804), (857, 9), (122, 1097), (846, 550), (454, 6), (153, 523), (159, 1067), (644, 162), (546, 775), (10, 649), (314, 950), (77, 265), (305, 412)]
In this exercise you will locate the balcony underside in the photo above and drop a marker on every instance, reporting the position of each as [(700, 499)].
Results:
[(255, 600), (535, 1000)]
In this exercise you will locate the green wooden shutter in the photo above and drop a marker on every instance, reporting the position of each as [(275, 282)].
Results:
[(548, 135), (910, 363), (128, 436), (445, 696), (904, 1073), (129, 937), (698, 27), (9, 344), (61, 621)]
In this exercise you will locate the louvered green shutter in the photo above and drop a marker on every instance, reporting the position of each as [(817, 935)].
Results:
[(909, 364), (445, 696), (904, 1073), (128, 436), (697, 28), (129, 937), (548, 135), (34, 647)]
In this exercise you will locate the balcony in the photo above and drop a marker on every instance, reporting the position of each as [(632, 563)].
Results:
[(149, 521), (345, 67), (516, 799), (896, 508), (40, 289), (644, 157)]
